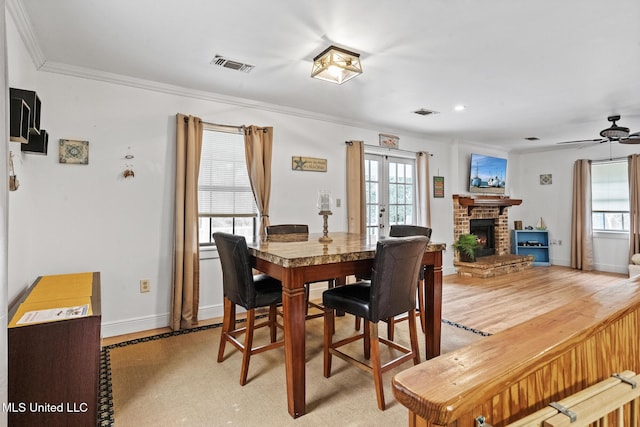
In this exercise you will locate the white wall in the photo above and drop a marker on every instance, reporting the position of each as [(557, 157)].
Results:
[(553, 202), (4, 204)]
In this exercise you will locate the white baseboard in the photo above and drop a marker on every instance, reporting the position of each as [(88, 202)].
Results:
[(129, 326)]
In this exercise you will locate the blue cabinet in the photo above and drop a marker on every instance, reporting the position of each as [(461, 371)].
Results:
[(531, 242)]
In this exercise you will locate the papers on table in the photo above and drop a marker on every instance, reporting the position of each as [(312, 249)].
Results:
[(56, 297), (52, 314)]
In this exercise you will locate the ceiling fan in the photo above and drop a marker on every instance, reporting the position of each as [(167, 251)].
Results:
[(613, 133)]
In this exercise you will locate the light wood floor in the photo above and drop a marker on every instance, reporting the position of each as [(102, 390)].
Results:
[(494, 304)]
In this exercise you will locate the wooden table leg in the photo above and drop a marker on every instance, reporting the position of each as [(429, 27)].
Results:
[(433, 306), (294, 307)]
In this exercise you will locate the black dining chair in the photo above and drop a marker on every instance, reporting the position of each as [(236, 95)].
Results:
[(391, 291), (242, 288), (403, 230), (294, 233)]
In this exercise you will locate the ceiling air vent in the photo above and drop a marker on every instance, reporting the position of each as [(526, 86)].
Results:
[(425, 112), (221, 61)]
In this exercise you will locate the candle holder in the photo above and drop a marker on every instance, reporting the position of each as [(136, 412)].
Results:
[(324, 205), (325, 227)]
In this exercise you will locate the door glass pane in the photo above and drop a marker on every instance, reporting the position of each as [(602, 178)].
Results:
[(372, 195), (401, 193), (389, 188)]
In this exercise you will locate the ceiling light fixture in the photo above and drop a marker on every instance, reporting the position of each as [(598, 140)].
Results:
[(336, 65), (460, 107)]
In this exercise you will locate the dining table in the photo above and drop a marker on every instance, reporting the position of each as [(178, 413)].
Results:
[(306, 259)]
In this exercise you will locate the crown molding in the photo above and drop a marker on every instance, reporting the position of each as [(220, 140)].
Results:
[(25, 29), (120, 79)]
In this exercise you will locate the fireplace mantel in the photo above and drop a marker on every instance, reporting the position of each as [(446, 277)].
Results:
[(487, 202)]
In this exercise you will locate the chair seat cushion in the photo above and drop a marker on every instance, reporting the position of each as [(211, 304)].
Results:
[(268, 290), (353, 298)]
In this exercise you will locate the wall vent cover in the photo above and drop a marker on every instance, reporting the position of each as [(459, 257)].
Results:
[(223, 62), (425, 112)]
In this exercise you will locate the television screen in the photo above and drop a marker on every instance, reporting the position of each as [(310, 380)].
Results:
[(488, 174)]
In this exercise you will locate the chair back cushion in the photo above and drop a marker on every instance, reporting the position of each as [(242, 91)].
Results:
[(237, 276), (394, 276), (287, 229), (288, 233), (402, 230)]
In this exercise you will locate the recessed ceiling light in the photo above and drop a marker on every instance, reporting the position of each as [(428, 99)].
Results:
[(460, 107)]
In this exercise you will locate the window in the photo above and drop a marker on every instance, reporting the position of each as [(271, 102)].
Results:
[(610, 196), (389, 192), (225, 199)]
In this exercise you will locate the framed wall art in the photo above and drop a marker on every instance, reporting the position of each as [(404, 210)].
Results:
[(546, 179), (74, 152), (389, 141), (438, 186)]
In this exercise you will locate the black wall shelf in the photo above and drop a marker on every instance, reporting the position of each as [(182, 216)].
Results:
[(38, 144), (33, 101), (19, 121)]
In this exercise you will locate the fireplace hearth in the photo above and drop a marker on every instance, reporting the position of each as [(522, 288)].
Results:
[(487, 218)]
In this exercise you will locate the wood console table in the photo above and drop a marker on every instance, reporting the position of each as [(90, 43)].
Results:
[(54, 365)]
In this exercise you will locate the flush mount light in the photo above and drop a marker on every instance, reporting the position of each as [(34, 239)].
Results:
[(336, 65), (460, 107)]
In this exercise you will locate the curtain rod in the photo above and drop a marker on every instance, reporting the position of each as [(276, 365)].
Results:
[(227, 128), (392, 150), (615, 159)]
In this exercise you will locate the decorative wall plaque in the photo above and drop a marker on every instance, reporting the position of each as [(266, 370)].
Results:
[(389, 141), (438, 186), (545, 179), (74, 152), (299, 163)]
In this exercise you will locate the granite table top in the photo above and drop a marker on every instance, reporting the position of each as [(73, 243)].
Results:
[(307, 250)]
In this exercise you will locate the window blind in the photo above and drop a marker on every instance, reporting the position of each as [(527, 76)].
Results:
[(224, 189), (610, 187)]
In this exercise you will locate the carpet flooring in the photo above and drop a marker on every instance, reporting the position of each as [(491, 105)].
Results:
[(173, 379)]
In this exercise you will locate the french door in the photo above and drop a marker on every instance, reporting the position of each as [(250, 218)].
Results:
[(389, 192)]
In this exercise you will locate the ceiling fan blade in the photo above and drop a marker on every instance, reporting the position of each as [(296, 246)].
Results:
[(598, 140), (634, 138)]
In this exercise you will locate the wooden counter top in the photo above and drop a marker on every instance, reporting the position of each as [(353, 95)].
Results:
[(453, 385)]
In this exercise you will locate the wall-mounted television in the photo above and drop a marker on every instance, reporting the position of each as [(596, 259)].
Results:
[(487, 175)]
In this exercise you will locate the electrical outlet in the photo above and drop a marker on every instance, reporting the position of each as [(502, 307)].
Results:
[(338, 203), (145, 285)]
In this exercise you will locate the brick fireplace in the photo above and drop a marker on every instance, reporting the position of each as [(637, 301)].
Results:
[(490, 218)]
